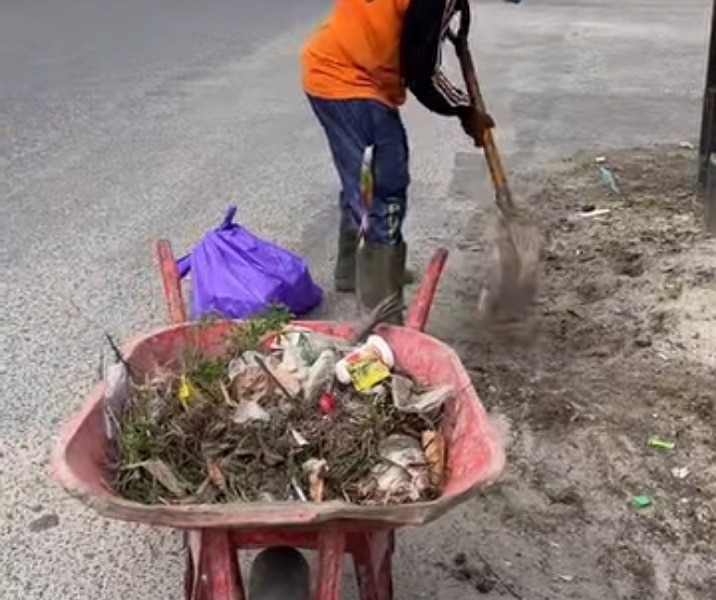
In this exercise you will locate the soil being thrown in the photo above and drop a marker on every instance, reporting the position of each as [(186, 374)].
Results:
[(625, 350)]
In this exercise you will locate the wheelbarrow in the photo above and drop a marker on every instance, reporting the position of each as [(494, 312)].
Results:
[(215, 533)]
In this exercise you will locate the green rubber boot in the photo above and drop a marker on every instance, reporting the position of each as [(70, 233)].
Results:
[(408, 275), (344, 274), (380, 273)]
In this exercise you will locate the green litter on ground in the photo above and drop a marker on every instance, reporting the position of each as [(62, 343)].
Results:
[(660, 443), (641, 501)]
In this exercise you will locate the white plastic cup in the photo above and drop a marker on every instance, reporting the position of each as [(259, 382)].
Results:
[(375, 348)]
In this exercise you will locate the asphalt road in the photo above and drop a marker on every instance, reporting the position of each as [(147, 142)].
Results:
[(122, 122)]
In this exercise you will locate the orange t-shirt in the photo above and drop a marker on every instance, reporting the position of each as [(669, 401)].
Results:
[(355, 53)]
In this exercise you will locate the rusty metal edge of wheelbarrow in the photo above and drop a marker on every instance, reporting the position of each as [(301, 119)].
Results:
[(277, 514)]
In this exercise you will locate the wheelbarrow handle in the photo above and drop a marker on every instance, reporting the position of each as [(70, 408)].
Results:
[(171, 282), (419, 310)]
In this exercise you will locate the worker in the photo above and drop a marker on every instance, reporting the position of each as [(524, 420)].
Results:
[(356, 69)]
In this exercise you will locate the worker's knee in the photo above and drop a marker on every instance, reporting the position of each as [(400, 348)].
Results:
[(391, 178), (391, 172)]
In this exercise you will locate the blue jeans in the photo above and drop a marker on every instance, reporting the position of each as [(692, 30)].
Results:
[(351, 126)]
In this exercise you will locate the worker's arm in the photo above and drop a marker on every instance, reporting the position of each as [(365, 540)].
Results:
[(424, 29)]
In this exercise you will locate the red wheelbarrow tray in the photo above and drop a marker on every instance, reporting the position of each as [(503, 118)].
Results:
[(475, 456)]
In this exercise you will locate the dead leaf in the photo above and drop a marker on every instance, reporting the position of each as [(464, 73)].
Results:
[(216, 476), (316, 469), (288, 380), (268, 456), (435, 454), (298, 437), (225, 393), (297, 488), (205, 494), (249, 382), (164, 476), (317, 487)]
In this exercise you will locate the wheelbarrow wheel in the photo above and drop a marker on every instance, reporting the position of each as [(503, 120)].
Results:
[(280, 573)]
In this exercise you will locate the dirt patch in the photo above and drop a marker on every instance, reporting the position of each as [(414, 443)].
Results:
[(44, 523), (625, 349)]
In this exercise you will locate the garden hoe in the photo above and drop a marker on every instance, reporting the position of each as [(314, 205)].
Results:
[(513, 276)]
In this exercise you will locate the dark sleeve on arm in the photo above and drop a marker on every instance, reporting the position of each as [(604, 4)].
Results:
[(424, 28)]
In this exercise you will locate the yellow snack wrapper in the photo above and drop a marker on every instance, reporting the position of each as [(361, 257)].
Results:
[(367, 373)]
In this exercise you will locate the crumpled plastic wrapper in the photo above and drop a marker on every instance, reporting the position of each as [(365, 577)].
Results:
[(302, 347), (407, 399), (320, 374), (293, 362), (404, 474), (249, 411)]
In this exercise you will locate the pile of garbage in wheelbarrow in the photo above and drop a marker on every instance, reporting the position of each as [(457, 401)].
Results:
[(286, 414)]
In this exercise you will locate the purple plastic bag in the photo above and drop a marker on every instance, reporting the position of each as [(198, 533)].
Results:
[(236, 275)]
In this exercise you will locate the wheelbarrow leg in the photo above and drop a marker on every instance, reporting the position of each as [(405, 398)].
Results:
[(373, 559), (331, 547), (214, 570)]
